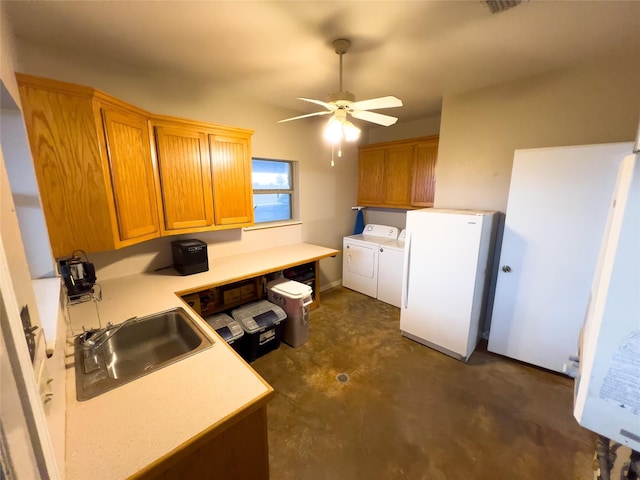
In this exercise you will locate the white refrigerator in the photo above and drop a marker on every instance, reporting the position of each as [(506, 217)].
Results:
[(446, 274)]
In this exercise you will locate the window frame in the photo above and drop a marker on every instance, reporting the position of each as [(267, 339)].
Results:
[(292, 191)]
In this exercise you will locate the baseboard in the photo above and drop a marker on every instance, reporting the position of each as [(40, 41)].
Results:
[(331, 285)]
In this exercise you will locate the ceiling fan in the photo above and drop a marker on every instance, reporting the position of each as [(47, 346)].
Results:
[(342, 104)]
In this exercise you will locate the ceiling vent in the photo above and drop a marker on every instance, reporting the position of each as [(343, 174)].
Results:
[(497, 6)]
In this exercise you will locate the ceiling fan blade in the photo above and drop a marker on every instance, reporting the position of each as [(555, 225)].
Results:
[(326, 105), (305, 116), (376, 103), (373, 117)]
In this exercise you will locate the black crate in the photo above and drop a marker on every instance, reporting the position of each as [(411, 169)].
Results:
[(263, 325)]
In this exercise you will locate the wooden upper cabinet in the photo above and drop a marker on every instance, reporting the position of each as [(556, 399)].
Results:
[(76, 172), (398, 174), (232, 186), (370, 175), (424, 173), (204, 175), (129, 153), (184, 171), (398, 168), (112, 175)]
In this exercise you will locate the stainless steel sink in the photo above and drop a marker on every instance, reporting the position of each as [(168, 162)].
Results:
[(133, 349)]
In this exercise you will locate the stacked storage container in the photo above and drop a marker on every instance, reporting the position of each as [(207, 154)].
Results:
[(262, 322), (228, 328)]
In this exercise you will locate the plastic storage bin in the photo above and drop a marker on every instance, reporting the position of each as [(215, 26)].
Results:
[(228, 328), (295, 298), (262, 323)]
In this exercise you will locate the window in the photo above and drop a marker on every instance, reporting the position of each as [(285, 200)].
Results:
[(273, 190)]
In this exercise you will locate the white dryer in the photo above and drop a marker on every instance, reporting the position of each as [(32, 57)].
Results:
[(360, 258), (390, 265)]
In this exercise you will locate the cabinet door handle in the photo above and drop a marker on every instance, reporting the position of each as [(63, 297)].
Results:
[(506, 268)]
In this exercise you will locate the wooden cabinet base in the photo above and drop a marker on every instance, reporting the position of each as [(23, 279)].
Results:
[(239, 452)]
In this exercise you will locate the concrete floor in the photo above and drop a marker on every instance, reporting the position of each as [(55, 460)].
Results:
[(409, 412)]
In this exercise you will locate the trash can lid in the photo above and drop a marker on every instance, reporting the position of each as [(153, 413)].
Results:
[(292, 289)]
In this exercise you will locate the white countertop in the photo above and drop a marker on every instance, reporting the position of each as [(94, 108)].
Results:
[(118, 433)]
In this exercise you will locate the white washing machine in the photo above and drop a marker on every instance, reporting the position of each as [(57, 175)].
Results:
[(360, 258), (390, 265)]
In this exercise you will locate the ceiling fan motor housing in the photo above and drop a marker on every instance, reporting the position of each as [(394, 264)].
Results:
[(341, 45), (341, 98)]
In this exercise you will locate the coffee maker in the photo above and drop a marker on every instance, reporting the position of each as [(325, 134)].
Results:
[(79, 275)]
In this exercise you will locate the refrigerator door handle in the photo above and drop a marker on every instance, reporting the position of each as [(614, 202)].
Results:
[(405, 269)]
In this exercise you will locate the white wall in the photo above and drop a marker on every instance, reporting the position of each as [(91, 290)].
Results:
[(9, 229), (20, 277), (326, 193), (24, 189), (594, 103)]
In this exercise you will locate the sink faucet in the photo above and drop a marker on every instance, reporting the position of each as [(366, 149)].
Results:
[(95, 338)]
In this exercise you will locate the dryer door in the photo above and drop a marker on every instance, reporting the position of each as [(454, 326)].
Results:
[(360, 267)]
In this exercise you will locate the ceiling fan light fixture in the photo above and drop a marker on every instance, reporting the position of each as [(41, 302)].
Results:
[(333, 131), (341, 104), (351, 132), (339, 128)]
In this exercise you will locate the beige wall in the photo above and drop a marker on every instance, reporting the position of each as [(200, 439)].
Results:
[(9, 229), (595, 103), (19, 271), (326, 193), (404, 129), (7, 54), (479, 131)]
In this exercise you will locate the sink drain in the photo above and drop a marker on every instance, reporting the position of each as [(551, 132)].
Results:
[(342, 377)]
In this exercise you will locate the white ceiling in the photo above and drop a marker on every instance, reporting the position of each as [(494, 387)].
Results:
[(276, 51)]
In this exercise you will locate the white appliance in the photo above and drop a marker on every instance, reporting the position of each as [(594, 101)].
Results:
[(555, 219), (608, 385), (294, 298), (360, 258), (446, 275), (390, 262)]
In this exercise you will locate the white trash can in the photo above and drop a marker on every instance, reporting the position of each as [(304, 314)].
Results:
[(294, 298)]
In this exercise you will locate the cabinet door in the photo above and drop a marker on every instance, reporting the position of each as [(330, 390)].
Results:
[(424, 174), (131, 169), (232, 187), (398, 166), (65, 147), (185, 179), (370, 175)]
